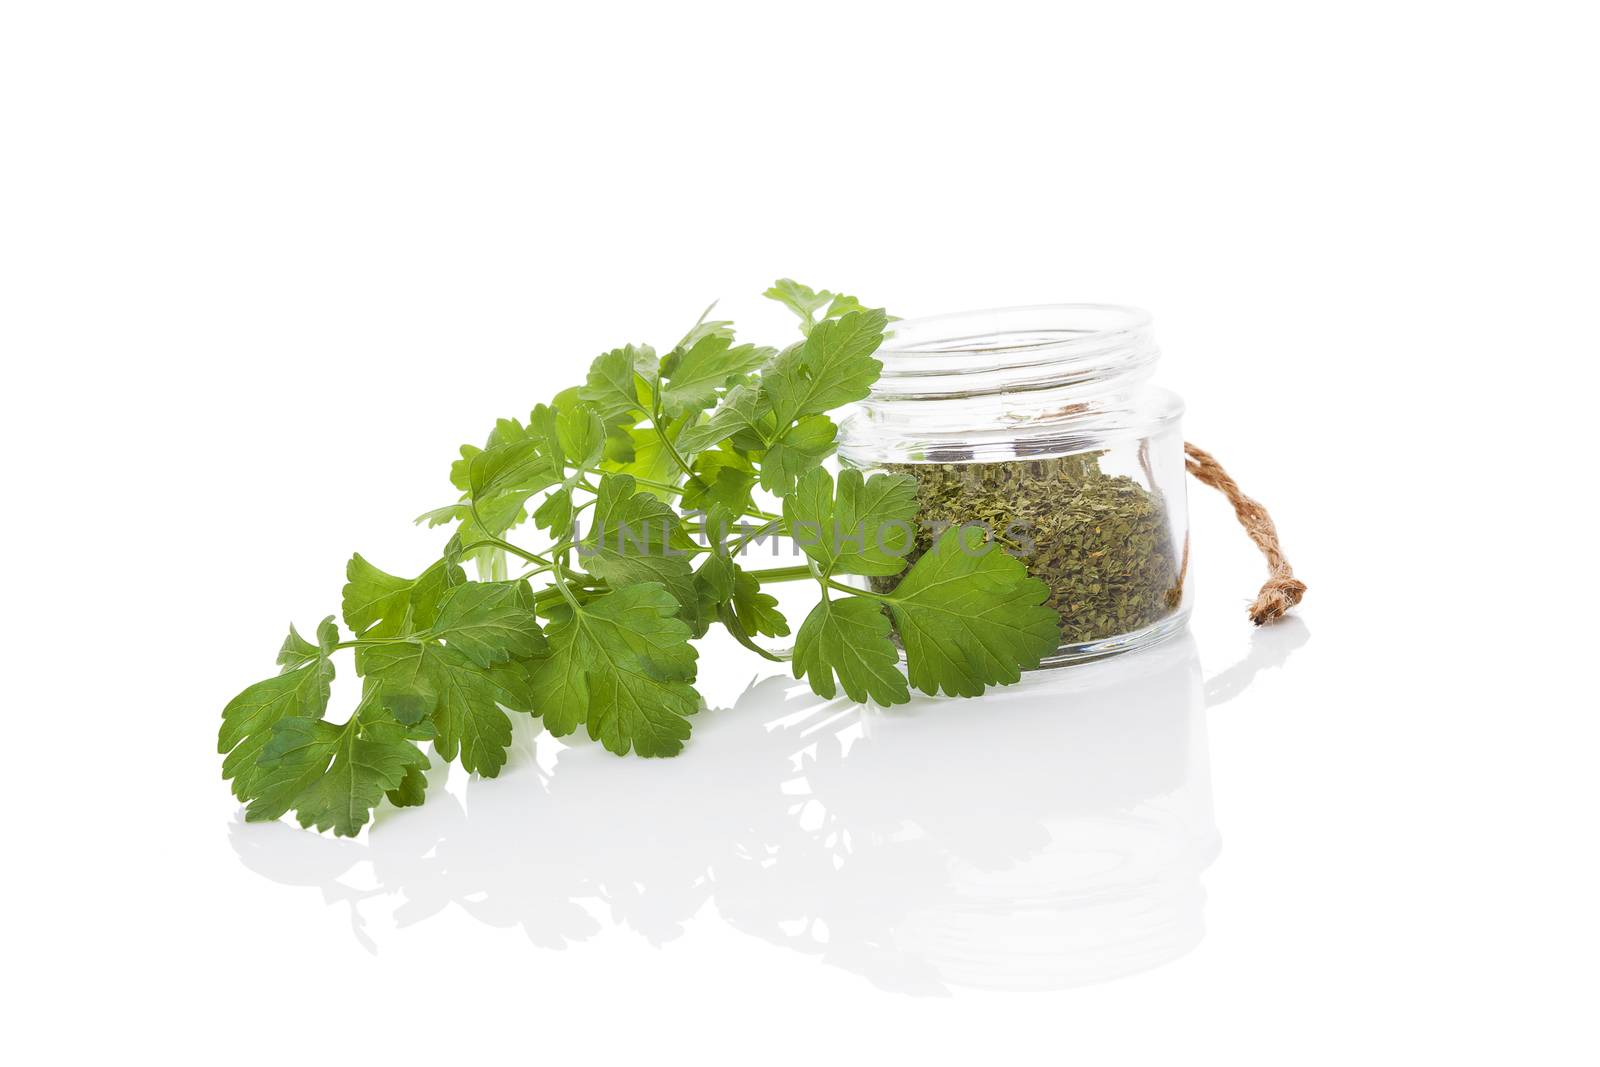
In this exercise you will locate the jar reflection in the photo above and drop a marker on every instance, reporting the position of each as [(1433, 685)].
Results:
[(1053, 837)]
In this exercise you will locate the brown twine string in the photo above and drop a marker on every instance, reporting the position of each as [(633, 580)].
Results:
[(1283, 590)]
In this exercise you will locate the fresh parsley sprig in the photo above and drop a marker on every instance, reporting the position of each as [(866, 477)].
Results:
[(659, 459)]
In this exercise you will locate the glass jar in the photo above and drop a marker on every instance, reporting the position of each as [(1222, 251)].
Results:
[(1041, 425)]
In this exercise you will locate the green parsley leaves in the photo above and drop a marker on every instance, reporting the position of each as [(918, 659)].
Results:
[(967, 614), (644, 485), (850, 637), (866, 529), (621, 665)]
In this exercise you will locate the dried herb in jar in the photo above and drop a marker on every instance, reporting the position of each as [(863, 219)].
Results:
[(1101, 542)]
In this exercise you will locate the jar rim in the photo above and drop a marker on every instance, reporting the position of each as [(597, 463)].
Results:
[(1120, 318), (1023, 347)]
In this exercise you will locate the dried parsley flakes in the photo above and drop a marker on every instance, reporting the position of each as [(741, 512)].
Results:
[(1102, 543)]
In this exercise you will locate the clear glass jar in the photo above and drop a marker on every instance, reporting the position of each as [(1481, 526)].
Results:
[(1040, 423)]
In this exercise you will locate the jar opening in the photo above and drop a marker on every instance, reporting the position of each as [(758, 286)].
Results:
[(1007, 349), (987, 386)]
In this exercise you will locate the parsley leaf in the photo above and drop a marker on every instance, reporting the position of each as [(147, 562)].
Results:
[(806, 302), (413, 681), (866, 529), (725, 478), (637, 538), (739, 414), (649, 459), (296, 651), (621, 665), (333, 776), (501, 479), (378, 604), (556, 512), (832, 367), (490, 622), (850, 636), (706, 327), (613, 385), (694, 377), (300, 691), (580, 436), (969, 616), (802, 448), (803, 300), (756, 612)]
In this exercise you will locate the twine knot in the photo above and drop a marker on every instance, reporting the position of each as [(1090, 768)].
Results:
[(1276, 597)]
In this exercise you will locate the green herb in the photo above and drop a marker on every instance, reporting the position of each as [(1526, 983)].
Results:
[(638, 488), (1102, 543)]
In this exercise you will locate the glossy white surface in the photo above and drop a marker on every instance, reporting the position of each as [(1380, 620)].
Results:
[(266, 267), (1071, 853)]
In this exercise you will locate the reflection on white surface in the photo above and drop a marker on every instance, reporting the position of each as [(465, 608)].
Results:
[(1050, 835)]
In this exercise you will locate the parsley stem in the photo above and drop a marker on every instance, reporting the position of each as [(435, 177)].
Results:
[(559, 577), (855, 590), (666, 439), (531, 557), (372, 642), (774, 527), (507, 546), (677, 457), (550, 594), (781, 574)]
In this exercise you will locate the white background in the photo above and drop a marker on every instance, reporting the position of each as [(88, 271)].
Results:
[(264, 266)]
